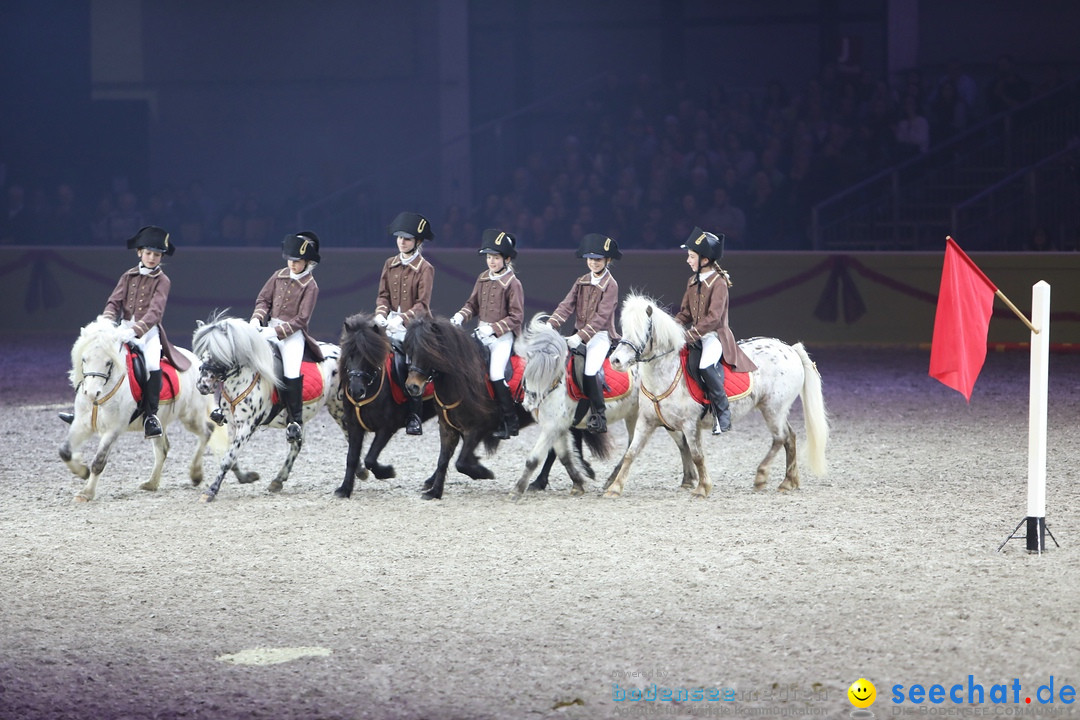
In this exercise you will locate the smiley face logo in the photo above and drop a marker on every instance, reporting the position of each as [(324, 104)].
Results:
[(862, 693)]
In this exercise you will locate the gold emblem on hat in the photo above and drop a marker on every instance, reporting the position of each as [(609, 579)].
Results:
[(304, 246), (607, 244)]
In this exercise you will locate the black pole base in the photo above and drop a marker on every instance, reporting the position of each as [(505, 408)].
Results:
[(1036, 533)]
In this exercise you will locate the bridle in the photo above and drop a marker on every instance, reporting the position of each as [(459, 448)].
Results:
[(368, 379), (653, 397), (639, 350), (220, 373), (98, 402), (445, 408)]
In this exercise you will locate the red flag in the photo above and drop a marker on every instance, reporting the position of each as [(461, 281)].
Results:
[(965, 303)]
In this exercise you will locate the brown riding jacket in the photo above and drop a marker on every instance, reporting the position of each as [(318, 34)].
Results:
[(405, 288), (704, 309), (591, 306), (142, 298), (499, 301), (291, 302)]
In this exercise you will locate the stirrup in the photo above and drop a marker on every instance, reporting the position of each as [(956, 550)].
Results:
[(67, 417), (719, 427), (502, 433), (218, 416), (413, 426), (293, 431), (151, 427)]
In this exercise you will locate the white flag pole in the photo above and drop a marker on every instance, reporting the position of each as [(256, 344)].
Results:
[(1039, 389), (1038, 392)]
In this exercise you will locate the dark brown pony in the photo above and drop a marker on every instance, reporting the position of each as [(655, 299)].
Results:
[(448, 357)]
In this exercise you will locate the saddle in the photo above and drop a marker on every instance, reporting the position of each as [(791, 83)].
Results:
[(618, 386), (515, 371), (138, 375), (736, 384), (312, 385), (397, 369)]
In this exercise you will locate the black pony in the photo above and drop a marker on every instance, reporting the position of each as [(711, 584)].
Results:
[(449, 358), (370, 406)]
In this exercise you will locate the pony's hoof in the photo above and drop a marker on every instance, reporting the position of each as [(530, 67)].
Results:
[(247, 478), (276, 486), (576, 491), (431, 496), (343, 494), (383, 472), (81, 498), (361, 473), (612, 494), (196, 479), (699, 494), (151, 487), (206, 498)]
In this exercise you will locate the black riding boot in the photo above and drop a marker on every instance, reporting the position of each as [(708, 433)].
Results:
[(151, 425), (294, 407), (509, 411), (67, 417), (414, 425), (597, 422), (713, 376)]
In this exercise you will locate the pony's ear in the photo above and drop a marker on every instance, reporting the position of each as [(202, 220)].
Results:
[(199, 324), (648, 310)]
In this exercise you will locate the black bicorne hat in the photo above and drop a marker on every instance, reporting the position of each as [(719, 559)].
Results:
[(595, 245), (152, 237), (499, 243), (705, 244), (301, 246), (412, 224)]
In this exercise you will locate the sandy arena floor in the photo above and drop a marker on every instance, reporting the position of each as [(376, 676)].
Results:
[(142, 605)]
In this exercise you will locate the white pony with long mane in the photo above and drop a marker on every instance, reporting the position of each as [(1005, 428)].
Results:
[(237, 359), (652, 339), (105, 405), (547, 398)]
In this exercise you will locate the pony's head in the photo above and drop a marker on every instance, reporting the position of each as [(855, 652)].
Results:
[(544, 350), (364, 348), (228, 346), (435, 346), (647, 331), (95, 356)]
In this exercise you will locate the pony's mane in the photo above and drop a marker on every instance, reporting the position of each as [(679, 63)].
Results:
[(101, 335), (435, 344), (363, 339), (544, 351), (234, 342), (667, 334)]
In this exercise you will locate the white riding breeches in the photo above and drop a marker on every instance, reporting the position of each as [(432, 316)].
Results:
[(596, 351), (292, 353), (711, 350), (499, 350), (150, 344)]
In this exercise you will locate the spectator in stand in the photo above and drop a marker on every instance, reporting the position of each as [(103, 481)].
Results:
[(1008, 89), (16, 222), (948, 114), (66, 224), (727, 219), (912, 131), (1040, 241), (125, 220), (963, 84), (763, 214)]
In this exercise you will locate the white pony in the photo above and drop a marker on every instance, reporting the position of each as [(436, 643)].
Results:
[(237, 359), (105, 405), (547, 397), (652, 339)]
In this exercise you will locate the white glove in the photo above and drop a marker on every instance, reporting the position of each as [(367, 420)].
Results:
[(380, 320), (254, 322), (268, 333), (487, 340), (126, 334), (573, 341), (457, 319), (395, 324), (485, 331)]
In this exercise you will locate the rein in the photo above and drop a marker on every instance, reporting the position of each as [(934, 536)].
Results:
[(233, 402), (101, 401), (656, 399)]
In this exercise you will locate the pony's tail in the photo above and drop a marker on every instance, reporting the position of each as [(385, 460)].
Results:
[(599, 444), (815, 415)]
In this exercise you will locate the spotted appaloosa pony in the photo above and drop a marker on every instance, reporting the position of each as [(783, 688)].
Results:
[(105, 405), (237, 358), (652, 340), (548, 399)]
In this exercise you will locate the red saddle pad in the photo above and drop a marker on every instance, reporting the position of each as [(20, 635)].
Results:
[(517, 371), (396, 390), (170, 383), (617, 383), (313, 383), (736, 384)]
